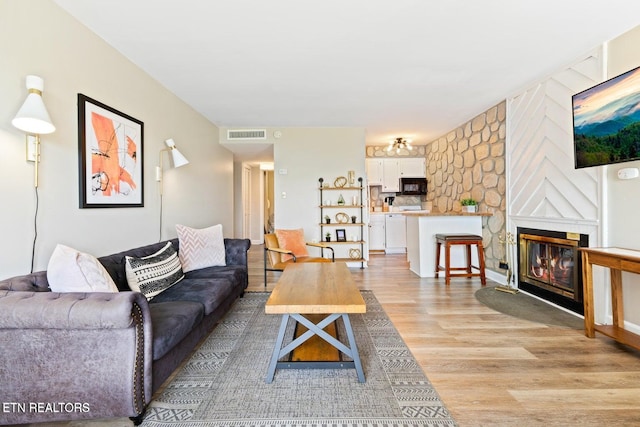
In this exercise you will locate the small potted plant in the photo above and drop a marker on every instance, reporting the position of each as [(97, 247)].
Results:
[(327, 219), (327, 236), (353, 219), (469, 205)]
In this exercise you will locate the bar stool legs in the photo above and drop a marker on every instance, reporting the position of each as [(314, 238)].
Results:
[(467, 240)]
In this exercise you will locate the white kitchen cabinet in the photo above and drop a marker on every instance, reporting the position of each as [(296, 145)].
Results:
[(388, 171), (374, 171), (376, 232), (395, 233), (414, 167), (390, 175)]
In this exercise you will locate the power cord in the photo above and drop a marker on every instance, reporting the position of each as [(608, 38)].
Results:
[(160, 230), (35, 231)]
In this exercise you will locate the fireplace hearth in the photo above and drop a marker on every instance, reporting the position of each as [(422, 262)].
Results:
[(549, 266)]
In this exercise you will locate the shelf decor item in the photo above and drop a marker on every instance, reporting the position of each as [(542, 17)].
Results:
[(340, 182), (342, 218), (341, 200), (355, 253)]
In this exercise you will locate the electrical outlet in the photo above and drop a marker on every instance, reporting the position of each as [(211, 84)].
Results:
[(503, 265)]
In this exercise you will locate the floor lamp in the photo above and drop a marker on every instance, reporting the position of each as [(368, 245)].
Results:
[(178, 160), (34, 119)]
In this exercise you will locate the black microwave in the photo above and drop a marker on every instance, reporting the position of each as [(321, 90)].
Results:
[(413, 186)]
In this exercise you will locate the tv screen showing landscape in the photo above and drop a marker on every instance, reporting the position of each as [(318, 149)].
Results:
[(606, 121)]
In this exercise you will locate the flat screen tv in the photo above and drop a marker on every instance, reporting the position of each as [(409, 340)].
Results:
[(606, 121)]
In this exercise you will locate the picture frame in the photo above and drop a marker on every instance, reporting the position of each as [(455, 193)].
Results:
[(110, 156), (341, 235)]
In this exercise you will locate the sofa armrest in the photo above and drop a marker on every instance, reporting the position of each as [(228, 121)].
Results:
[(72, 310), (36, 282), (236, 251), (88, 348)]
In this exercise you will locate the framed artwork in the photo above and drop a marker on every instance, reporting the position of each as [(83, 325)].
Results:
[(341, 235), (110, 145)]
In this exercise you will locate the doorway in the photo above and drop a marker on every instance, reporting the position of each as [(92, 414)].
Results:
[(257, 202)]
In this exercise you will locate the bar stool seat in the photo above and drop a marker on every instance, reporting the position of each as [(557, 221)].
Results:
[(467, 240)]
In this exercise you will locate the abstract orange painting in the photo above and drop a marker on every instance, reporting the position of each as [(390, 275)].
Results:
[(110, 145)]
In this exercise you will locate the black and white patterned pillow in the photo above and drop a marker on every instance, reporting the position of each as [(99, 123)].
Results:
[(154, 273)]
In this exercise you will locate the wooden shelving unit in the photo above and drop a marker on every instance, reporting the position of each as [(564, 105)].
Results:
[(334, 225)]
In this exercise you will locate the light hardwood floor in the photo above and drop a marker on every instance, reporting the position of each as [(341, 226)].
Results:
[(491, 369)]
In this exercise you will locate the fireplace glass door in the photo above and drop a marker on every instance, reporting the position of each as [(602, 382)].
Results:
[(552, 265), (549, 266)]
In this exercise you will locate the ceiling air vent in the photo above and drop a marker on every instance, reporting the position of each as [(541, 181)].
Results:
[(246, 134)]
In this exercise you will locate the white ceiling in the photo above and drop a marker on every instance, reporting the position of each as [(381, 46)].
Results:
[(412, 68)]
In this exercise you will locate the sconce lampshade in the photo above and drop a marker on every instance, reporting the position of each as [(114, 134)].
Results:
[(176, 156), (33, 116)]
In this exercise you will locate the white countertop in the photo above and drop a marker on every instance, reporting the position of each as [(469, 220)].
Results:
[(427, 213)]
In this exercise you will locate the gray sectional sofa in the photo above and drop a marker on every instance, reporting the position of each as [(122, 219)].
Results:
[(66, 356)]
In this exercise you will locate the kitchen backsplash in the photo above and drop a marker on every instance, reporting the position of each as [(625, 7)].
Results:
[(377, 198)]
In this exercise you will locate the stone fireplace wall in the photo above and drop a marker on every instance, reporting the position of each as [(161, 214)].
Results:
[(469, 162)]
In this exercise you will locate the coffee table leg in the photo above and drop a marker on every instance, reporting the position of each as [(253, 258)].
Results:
[(354, 348), (276, 349)]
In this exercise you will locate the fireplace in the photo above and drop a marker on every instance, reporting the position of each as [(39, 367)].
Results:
[(550, 266)]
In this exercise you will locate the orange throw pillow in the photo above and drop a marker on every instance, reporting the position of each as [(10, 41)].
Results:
[(292, 240)]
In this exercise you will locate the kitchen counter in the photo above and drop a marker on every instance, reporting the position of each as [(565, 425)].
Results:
[(429, 213), (422, 226)]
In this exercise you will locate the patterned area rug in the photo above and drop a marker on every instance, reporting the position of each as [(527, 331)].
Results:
[(223, 384)]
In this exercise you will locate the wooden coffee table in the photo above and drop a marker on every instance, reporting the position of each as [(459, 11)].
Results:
[(311, 289)]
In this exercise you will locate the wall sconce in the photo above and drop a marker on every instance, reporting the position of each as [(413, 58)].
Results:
[(34, 119), (176, 156), (177, 159)]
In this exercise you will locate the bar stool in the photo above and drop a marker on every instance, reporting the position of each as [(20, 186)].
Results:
[(460, 239)]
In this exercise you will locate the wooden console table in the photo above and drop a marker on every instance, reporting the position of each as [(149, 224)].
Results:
[(617, 260)]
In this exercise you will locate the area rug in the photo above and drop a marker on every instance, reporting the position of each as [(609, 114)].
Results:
[(525, 307), (223, 384)]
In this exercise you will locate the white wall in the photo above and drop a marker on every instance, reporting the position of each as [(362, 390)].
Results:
[(308, 154), (544, 190), (37, 37), (591, 200), (624, 196)]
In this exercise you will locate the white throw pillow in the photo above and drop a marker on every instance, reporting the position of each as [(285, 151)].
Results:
[(154, 273), (70, 270), (201, 248)]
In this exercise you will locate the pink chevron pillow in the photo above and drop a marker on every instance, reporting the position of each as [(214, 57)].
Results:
[(200, 248)]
